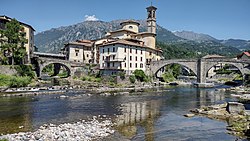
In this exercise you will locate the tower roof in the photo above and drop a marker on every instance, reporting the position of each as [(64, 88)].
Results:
[(151, 8)]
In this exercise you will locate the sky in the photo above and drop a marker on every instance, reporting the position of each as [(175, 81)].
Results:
[(222, 19)]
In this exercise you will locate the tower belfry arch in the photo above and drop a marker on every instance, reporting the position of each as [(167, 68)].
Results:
[(151, 20)]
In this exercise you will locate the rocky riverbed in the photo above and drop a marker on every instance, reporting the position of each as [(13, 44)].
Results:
[(236, 116), (78, 131)]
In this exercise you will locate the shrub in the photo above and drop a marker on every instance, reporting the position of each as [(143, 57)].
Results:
[(25, 70), (14, 81), (132, 78), (141, 76), (122, 75), (168, 76)]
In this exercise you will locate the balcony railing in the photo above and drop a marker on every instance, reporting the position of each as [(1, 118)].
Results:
[(114, 60)]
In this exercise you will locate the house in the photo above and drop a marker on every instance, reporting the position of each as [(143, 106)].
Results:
[(29, 35), (79, 51), (244, 55), (129, 49)]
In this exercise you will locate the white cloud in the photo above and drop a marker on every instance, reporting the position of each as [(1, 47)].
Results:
[(90, 18)]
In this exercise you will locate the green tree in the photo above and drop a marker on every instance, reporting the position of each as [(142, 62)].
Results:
[(140, 75), (12, 49)]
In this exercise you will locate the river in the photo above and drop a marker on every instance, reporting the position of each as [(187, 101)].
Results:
[(152, 115)]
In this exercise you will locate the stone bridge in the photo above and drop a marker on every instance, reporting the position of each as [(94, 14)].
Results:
[(59, 60), (200, 67)]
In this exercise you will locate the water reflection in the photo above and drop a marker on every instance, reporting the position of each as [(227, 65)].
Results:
[(207, 97), (15, 115), (143, 113)]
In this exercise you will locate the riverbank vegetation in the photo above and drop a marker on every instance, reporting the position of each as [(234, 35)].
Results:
[(14, 81)]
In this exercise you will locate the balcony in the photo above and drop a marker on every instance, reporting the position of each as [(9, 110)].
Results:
[(112, 68), (109, 59)]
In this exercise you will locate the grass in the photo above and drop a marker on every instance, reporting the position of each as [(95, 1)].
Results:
[(14, 81)]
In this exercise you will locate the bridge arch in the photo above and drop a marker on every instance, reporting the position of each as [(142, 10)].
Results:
[(239, 66), (190, 64), (57, 66)]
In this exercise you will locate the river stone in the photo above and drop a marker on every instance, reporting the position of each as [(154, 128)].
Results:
[(235, 108)]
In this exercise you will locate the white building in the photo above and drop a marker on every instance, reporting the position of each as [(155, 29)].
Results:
[(130, 50), (79, 51)]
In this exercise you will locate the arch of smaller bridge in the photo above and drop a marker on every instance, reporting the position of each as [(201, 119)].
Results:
[(44, 63), (157, 65)]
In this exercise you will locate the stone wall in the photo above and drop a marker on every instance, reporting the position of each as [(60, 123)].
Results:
[(8, 70)]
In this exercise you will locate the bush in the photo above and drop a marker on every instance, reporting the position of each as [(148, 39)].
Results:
[(132, 78), (25, 70), (141, 76), (122, 75), (168, 76), (14, 81)]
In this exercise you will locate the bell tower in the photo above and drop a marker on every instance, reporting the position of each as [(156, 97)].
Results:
[(151, 20)]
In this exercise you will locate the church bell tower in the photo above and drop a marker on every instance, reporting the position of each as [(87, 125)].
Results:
[(151, 20)]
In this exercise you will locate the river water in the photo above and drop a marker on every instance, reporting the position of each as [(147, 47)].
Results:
[(152, 115)]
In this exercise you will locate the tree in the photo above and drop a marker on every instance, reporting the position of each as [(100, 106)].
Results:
[(12, 49)]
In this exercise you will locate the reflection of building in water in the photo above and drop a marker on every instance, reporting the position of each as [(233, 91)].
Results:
[(141, 113), (208, 97)]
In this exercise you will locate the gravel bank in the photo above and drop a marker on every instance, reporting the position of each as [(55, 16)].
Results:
[(79, 131)]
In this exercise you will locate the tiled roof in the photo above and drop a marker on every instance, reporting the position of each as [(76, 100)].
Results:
[(126, 42), (244, 53)]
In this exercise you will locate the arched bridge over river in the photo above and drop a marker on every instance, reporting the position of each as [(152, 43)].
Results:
[(200, 67)]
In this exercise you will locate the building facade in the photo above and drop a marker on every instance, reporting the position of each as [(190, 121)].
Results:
[(130, 50), (29, 35), (79, 51)]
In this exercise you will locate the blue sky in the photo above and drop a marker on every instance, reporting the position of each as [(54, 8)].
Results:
[(222, 19)]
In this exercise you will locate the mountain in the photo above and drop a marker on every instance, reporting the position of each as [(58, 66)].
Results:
[(192, 45), (240, 44), (54, 39), (190, 35)]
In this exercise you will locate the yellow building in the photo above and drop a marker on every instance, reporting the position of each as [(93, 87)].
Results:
[(29, 35)]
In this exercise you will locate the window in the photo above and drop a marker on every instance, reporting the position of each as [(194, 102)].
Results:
[(131, 50), (76, 53), (102, 50), (113, 64), (130, 65), (108, 50), (125, 65), (103, 57), (113, 49), (141, 58), (135, 58), (130, 58), (102, 64), (141, 65), (87, 55), (136, 51), (113, 57), (150, 53), (135, 65), (131, 27), (141, 51), (124, 49)]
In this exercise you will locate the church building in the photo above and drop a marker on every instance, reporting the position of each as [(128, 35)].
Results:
[(128, 49)]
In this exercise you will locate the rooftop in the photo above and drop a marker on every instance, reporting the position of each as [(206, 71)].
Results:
[(9, 19), (129, 22)]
